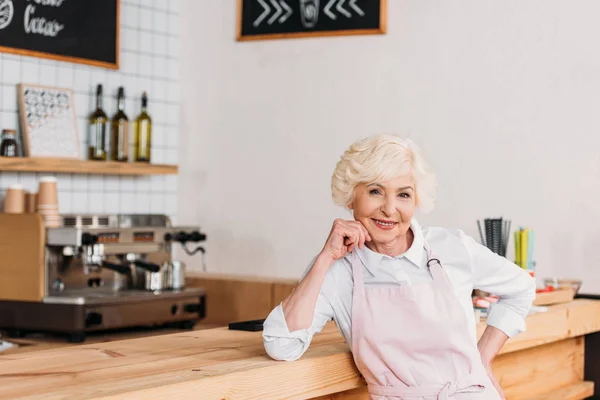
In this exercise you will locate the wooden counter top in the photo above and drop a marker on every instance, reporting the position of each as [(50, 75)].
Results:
[(223, 364)]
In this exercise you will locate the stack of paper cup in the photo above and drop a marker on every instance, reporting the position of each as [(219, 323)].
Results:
[(47, 202), (14, 201)]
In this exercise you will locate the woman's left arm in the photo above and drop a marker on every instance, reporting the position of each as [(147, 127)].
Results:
[(516, 292), (513, 286)]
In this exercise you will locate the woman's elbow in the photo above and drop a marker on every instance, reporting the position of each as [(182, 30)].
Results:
[(280, 351)]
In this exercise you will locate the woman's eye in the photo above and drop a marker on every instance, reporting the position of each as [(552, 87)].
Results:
[(405, 195), (374, 191)]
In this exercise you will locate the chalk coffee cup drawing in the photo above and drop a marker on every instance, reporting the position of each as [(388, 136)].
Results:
[(309, 12)]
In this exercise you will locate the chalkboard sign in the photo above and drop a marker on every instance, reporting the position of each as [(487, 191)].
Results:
[(81, 31), (274, 19)]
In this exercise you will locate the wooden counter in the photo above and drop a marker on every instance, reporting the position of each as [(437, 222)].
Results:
[(545, 362)]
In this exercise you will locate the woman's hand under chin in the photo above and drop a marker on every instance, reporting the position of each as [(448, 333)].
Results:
[(344, 237)]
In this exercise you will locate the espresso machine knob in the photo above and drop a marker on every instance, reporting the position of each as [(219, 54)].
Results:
[(88, 239)]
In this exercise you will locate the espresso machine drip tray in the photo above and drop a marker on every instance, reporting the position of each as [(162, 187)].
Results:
[(114, 297)]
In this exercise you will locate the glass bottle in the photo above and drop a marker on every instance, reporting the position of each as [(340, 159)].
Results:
[(119, 138), (9, 146), (97, 130), (143, 133)]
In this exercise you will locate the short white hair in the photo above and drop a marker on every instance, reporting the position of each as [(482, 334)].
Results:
[(380, 158)]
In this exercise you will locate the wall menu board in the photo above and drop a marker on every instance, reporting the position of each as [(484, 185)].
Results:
[(275, 19), (80, 31)]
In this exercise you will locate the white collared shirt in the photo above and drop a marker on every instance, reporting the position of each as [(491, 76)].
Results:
[(468, 264)]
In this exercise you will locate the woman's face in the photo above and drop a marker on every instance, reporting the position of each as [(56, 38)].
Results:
[(385, 208)]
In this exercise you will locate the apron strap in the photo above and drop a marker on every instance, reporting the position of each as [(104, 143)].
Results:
[(468, 384)]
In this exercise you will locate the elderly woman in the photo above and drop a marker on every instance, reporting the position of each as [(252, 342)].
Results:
[(400, 293)]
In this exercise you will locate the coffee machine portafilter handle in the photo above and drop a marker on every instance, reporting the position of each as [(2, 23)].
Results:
[(121, 269), (147, 266)]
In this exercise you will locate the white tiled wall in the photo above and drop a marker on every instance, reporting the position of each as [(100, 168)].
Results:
[(149, 61)]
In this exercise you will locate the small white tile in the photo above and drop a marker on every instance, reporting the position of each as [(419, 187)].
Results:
[(157, 156), (10, 120), (79, 202), (171, 156), (11, 72), (83, 79), (173, 92), (159, 90), (98, 75), (126, 184), (83, 150), (157, 203), (175, 6), (171, 182), (145, 65), (145, 85), (82, 104), (173, 138), (130, 15), (170, 203), (9, 98), (158, 135), (79, 182), (95, 203), (130, 39), (159, 68), (161, 21), (161, 114), (173, 44), (128, 63), (63, 182), (142, 183), (9, 178), (148, 3), (48, 74), (64, 202), (160, 44), (145, 19), (146, 43), (174, 24), (112, 203), (95, 183), (31, 72), (161, 5), (111, 183), (173, 69), (115, 79), (65, 76), (29, 181), (127, 203), (142, 202), (173, 114), (157, 182)]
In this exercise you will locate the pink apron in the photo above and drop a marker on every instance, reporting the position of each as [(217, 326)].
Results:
[(412, 341)]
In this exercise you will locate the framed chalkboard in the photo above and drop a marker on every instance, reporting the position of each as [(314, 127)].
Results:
[(276, 19), (80, 31)]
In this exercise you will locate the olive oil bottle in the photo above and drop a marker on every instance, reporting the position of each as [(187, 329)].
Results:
[(97, 130), (143, 133), (119, 138)]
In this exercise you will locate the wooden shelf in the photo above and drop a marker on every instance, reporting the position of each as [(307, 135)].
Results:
[(65, 165)]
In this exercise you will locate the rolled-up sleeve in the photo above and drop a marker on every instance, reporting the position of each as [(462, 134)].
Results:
[(283, 345), (514, 287)]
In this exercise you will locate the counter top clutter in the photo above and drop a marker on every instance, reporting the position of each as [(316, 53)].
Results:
[(219, 363)]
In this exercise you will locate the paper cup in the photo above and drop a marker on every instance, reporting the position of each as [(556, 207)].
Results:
[(14, 201), (47, 193)]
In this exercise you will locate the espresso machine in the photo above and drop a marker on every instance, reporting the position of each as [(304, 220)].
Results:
[(95, 272)]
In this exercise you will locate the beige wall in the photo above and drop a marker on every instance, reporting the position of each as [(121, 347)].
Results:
[(503, 97)]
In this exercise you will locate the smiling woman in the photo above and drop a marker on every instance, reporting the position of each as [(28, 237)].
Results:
[(400, 293)]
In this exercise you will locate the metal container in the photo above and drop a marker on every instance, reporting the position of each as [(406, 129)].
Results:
[(176, 275)]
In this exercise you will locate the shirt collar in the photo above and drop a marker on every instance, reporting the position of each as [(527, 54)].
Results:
[(372, 260)]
